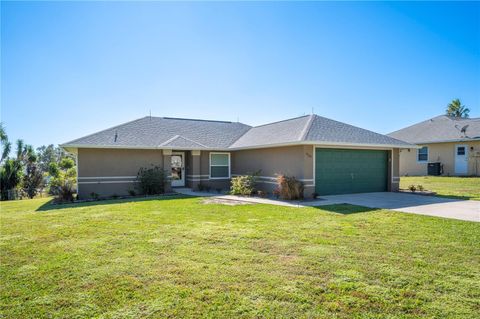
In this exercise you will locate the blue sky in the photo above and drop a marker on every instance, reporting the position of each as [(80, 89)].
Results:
[(70, 69)]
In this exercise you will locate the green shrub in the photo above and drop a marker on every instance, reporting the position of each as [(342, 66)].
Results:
[(63, 184), (420, 188), (131, 192), (412, 188), (151, 181), (289, 187), (94, 195), (243, 185)]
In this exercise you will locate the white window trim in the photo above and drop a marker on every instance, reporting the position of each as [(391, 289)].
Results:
[(428, 154), (210, 165)]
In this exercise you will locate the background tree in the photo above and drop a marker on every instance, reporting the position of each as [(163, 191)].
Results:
[(6, 145), (29, 171), (50, 154), (11, 172), (10, 177), (33, 178), (63, 179), (456, 109)]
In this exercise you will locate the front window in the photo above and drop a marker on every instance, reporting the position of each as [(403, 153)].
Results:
[(461, 150), (422, 155), (219, 165)]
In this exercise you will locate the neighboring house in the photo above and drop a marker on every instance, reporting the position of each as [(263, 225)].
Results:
[(329, 157), (452, 142)]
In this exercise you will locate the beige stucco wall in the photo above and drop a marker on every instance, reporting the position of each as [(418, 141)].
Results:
[(112, 171), (394, 172), (438, 152), (294, 161)]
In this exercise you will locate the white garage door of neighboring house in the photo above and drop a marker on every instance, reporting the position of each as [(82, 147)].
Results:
[(461, 159)]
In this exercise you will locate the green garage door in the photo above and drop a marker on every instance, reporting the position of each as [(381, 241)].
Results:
[(341, 171)]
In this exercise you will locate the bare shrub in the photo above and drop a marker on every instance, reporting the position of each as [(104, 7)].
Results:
[(289, 187)]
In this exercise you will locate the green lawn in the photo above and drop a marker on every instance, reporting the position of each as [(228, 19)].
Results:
[(181, 258), (455, 187)]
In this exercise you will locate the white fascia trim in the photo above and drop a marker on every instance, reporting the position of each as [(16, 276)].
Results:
[(130, 147), (464, 140), (319, 144)]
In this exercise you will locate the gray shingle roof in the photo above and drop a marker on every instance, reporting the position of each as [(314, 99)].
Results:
[(315, 129), (442, 128), (153, 132), (327, 130), (163, 132), (282, 132)]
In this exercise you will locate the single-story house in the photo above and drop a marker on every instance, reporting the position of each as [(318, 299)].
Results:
[(329, 157), (452, 142)]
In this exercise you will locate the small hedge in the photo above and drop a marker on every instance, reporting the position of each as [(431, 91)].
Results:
[(151, 181)]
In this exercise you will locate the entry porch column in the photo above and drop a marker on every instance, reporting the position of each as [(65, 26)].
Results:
[(167, 167), (196, 175)]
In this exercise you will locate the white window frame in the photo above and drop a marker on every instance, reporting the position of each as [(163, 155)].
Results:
[(210, 165), (428, 154)]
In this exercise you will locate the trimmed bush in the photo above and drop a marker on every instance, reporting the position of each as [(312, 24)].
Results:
[(289, 187), (151, 181), (243, 185)]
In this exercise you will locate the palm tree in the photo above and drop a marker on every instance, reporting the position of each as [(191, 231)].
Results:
[(6, 145), (456, 109), (11, 171)]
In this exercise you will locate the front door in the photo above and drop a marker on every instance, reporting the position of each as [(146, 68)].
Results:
[(178, 169), (461, 159)]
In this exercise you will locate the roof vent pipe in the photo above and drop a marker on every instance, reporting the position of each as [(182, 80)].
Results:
[(116, 136)]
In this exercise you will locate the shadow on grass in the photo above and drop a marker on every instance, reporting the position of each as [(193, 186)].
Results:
[(50, 205), (345, 209), (466, 197)]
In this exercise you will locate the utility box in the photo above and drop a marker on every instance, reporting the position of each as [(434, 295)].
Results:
[(434, 169)]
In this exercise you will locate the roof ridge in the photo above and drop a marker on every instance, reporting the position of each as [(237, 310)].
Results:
[(107, 129), (186, 138), (199, 120), (169, 140), (276, 122), (415, 124), (451, 118), (181, 136), (361, 128), (307, 127)]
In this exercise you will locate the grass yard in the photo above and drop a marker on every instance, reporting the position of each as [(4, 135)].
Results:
[(181, 258), (454, 187)]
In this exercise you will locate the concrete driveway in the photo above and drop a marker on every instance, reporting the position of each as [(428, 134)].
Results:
[(417, 204)]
